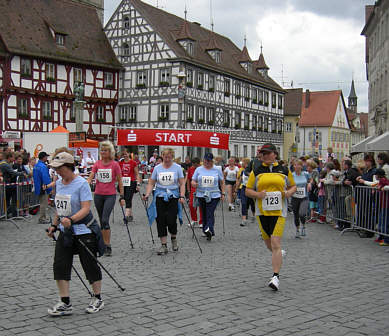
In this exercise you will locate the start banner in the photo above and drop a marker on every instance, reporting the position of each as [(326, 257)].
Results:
[(158, 137)]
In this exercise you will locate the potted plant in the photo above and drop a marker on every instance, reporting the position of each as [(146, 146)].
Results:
[(47, 117), (255, 101), (141, 86), (161, 118), (189, 84), (200, 86), (211, 122), (226, 124), (201, 121), (123, 120), (226, 94), (101, 120), (189, 119), (109, 86), (50, 79), (266, 104), (238, 96), (72, 119), (261, 102), (246, 128), (211, 89), (273, 105), (164, 84), (254, 128), (247, 99), (237, 126)]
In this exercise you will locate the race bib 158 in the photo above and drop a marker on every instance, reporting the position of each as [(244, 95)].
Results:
[(104, 175)]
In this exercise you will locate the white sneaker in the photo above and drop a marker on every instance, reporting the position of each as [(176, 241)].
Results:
[(61, 309), (192, 224), (200, 225), (94, 306), (274, 283), (283, 253)]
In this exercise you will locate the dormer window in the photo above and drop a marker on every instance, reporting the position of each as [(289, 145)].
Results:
[(60, 39), (218, 56), (190, 47), (249, 67)]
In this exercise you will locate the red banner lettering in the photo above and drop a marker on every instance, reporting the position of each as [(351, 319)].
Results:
[(163, 137)]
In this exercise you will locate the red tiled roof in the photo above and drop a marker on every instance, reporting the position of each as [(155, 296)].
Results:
[(293, 102), (169, 27), (322, 108), (25, 30)]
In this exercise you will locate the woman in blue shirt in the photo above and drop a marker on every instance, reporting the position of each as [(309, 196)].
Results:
[(299, 198), (73, 217), (209, 184), (168, 178)]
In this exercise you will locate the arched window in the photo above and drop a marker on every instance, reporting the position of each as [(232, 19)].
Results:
[(126, 22), (126, 49)]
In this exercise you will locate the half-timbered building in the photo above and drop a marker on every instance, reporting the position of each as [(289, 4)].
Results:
[(46, 49), (180, 75)]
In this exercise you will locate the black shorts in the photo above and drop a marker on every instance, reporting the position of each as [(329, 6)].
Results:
[(230, 182), (63, 258), (166, 216)]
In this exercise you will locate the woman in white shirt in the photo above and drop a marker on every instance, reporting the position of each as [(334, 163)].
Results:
[(230, 176)]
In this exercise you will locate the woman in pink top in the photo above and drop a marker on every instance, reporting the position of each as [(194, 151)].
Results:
[(107, 172)]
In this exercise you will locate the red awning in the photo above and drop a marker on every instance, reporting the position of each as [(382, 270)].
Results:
[(87, 144)]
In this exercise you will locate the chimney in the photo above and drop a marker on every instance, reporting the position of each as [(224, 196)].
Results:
[(307, 98)]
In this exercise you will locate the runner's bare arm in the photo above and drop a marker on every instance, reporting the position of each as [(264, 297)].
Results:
[(91, 177), (149, 187)]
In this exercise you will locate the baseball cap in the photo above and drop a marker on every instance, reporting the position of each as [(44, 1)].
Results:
[(42, 155), (268, 147), (208, 156), (61, 159)]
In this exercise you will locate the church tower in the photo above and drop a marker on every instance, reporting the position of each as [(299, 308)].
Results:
[(98, 4), (353, 99)]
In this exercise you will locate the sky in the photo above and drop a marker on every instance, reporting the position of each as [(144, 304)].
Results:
[(316, 44)]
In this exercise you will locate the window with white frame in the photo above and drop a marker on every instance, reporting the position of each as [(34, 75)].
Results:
[(126, 49), (227, 86), (23, 107), (190, 47), (50, 72), (253, 153), (266, 98), (236, 150), (273, 100), (288, 127), (266, 124), (238, 89), (279, 126), (218, 56), (77, 76), (189, 77), (255, 95), (60, 39), (99, 113), (46, 110), (141, 78), (25, 67), (200, 80), (201, 114), (274, 125), (280, 102), (190, 112), (164, 111), (211, 83), (165, 77), (226, 118), (108, 80), (260, 123), (245, 151), (127, 113), (238, 119), (260, 97), (255, 122), (211, 114), (246, 121), (247, 91)]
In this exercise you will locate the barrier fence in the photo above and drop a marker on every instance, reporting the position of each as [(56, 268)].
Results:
[(356, 208)]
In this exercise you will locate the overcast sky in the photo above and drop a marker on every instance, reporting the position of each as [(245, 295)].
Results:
[(314, 43)]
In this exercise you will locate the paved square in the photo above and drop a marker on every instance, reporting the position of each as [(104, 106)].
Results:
[(330, 284)]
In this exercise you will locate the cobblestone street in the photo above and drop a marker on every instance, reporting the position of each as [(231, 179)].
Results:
[(330, 284)]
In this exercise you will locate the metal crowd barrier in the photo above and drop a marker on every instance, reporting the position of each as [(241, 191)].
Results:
[(3, 209), (371, 210), (359, 208), (338, 202), (26, 197)]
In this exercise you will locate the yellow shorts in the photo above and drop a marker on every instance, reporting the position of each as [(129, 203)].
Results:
[(271, 226)]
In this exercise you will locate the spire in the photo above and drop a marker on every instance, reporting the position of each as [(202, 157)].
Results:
[(244, 56), (261, 64), (185, 33), (352, 91)]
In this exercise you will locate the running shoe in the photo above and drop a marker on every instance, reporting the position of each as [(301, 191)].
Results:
[(252, 219), (130, 218), (208, 233), (94, 306), (244, 223), (283, 253), (44, 221), (193, 224), (384, 244), (162, 250), (108, 251), (174, 245), (230, 207), (61, 309), (303, 231), (297, 234), (203, 234), (200, 225), (274, 283)]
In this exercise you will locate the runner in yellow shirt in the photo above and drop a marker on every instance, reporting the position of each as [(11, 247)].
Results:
[(271, 184)]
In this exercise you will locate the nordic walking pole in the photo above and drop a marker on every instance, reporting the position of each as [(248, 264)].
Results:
[(128, 230), (194, 235), (75, 271), (224, 232), (100, 264), (147, 215)]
